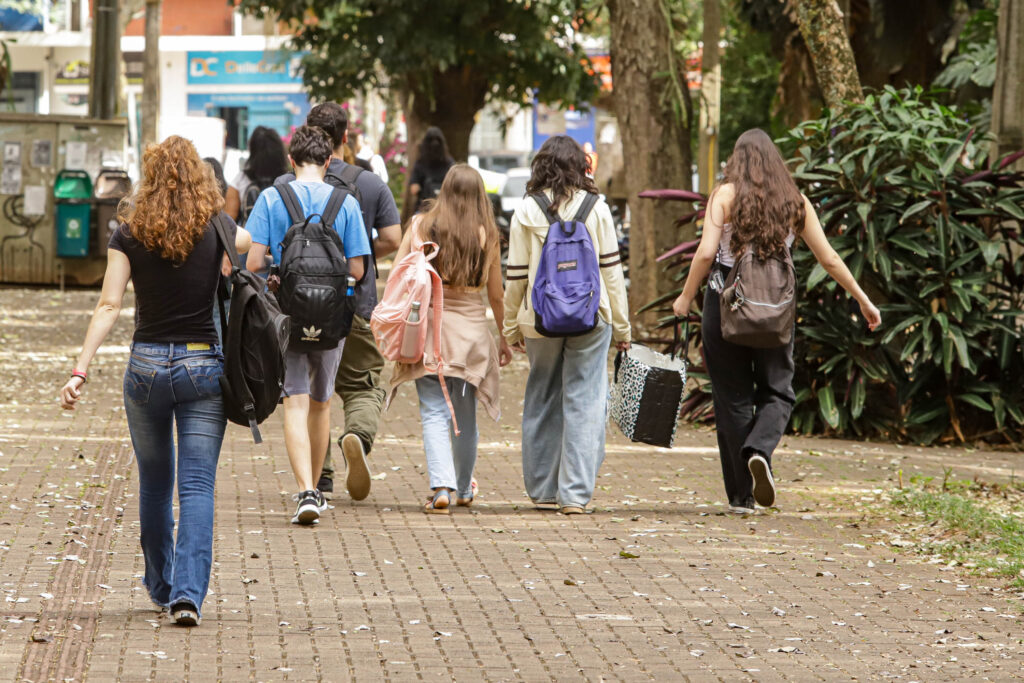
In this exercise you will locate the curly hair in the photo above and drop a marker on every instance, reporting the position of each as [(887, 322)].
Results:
[(174, 201), (767, 207), (561, 166)]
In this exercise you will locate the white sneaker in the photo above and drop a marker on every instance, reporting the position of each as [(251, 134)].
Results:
[(764, 484), (308, 510)]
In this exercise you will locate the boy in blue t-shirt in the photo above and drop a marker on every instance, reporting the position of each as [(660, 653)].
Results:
[(309, 375)]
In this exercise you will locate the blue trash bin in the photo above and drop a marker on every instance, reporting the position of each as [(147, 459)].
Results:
[(72, 192)]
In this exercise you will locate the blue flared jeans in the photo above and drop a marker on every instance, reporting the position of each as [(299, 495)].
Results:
[(168, 389), (564, 415)]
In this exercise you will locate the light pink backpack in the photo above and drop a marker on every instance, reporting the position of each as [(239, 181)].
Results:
[(412, 279)]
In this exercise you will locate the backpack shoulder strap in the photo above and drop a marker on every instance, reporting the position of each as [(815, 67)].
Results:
[(349, 175), (333, 208), (586, 207), (220, 226), (545, 206), (291, 202), (437, 303)]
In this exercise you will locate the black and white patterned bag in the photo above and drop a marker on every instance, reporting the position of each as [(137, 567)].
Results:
[(647, 393)]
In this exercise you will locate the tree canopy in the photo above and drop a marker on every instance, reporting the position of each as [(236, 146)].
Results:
[(448, 58)]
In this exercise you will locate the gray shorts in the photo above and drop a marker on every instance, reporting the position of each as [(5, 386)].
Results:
[(311, 373)]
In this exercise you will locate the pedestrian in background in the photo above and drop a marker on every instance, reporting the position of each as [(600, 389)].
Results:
[(461, 223), (565, 407), (758, 207), (432, 163), (267, 160), (168, 248)]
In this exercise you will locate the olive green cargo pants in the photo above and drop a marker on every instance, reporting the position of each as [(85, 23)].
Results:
[(358, 384)]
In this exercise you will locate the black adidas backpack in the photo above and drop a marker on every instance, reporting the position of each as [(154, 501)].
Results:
[(255, 342), (314, 274)]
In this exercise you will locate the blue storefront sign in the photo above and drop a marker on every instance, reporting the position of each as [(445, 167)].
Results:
[(244, 67), (280, 111)]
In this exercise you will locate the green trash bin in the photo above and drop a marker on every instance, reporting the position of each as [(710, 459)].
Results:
[(72, 192)]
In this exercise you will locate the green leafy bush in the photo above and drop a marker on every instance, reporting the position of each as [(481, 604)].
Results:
[(933, 232)]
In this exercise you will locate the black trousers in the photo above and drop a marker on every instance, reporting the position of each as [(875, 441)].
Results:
[(753, 396)]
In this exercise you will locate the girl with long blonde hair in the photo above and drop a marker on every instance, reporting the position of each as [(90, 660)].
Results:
[(167, 246), (461, 223)]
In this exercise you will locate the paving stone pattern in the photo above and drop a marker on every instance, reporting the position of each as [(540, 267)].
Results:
[(656, 583)]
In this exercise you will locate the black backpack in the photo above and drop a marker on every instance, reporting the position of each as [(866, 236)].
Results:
[(255, 342), (314, 274), (248, 200), (346, 180)]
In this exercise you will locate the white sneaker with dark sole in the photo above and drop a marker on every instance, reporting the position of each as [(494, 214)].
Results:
[(764, 484), (357, 480), (308, 510)]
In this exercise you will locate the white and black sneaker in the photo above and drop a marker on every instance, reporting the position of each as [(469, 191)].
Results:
[(308, 509), (764, 484)]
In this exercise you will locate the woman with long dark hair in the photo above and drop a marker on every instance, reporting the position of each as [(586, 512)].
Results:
[(267, 160), (461, 223), (167, 246), (758, 207), (432, 163), (564, 411)]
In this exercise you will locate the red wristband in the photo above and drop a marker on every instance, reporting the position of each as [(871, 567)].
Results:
[(79, 373)]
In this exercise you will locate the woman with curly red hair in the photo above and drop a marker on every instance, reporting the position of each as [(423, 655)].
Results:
[(759, 208), (168, 247)]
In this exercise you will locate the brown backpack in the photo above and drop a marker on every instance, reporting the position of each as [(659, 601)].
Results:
[(759, 301)]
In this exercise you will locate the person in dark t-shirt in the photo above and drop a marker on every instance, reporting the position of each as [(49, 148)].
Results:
[(168, 248), (432, 164)]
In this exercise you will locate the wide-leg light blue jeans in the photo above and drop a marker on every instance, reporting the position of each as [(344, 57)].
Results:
[(168, 388), (450, 458), (564, 416)]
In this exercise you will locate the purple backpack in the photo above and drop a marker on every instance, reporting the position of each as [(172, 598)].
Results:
[(567, 286)]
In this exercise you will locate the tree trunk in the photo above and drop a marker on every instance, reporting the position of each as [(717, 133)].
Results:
[(710, 95), (151, 75), (1008, 98), (655, 138), (824, 30), (105, 60)]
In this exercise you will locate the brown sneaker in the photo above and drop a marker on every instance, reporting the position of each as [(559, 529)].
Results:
[(358, 479)]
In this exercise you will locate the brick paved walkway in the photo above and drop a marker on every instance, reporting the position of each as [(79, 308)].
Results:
[(380, 591)]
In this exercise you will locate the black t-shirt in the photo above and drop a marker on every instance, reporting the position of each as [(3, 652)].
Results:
[(174, 302), (429, 177)]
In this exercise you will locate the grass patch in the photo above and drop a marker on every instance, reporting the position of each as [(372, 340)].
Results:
[(979, 525)]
